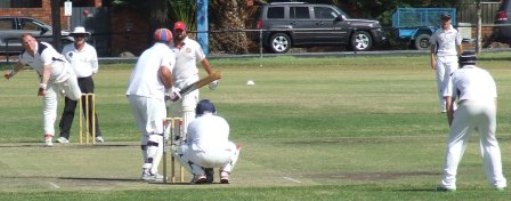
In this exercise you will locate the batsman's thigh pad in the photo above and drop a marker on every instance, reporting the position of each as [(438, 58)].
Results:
[(156, 114), (138, 105)]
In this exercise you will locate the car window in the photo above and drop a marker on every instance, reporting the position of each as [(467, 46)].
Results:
[(324, 13), (275, 13), (299, 12), (29, 25), (6, 24)]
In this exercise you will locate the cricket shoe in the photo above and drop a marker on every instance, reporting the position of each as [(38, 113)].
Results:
[(500, 188), (224, 177), (62, 140), (199, 179), (150, 177), (48, 140), (99, 139), (445, 189)]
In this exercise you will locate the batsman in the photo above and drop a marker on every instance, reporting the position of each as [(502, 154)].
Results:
[(188, 52)]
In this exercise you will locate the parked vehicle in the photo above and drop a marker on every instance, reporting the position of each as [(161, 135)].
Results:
[(285, 25), (418, 24), (502, 30), (11, 29)]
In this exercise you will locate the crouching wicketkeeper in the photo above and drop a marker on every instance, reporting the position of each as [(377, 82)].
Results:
[(208, 145)]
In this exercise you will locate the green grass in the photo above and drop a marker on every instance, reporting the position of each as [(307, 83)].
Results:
[(350, 128)]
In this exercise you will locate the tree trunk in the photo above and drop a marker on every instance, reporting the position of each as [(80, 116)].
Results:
[(228, 17), (158, 14)]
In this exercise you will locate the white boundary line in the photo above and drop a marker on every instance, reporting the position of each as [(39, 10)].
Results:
[(293, 180), (54, 185)]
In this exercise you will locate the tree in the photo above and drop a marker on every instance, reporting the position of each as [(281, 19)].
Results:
[(154, 10), (228, 16)]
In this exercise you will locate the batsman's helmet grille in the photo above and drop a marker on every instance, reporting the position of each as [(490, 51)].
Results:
[(204, 106), (163, 35), (467, 58)]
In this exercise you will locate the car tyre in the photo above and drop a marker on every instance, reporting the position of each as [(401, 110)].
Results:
[(361, 41), (280, 43), (422, 41)]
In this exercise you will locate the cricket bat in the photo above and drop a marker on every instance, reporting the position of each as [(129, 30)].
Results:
[(216, 75)]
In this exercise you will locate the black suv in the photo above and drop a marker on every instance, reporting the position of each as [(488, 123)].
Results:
[(296, 24), (502, 32)]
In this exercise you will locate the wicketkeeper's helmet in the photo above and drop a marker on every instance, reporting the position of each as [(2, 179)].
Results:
[(467, 58), (163, 35), (205, 106)]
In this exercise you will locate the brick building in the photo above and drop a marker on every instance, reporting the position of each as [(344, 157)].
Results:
[(130, 33)]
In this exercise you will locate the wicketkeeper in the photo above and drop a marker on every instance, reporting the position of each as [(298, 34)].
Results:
[(208, 145)]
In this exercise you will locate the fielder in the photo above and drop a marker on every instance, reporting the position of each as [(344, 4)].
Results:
[(475, 91), (150, 78), (188, 53), (208, 145), (445, 48), (55, 75)]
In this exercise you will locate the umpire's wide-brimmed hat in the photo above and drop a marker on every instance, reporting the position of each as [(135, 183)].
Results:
[(79, 31)]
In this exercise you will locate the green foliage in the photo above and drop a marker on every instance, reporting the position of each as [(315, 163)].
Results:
[(183, 10)]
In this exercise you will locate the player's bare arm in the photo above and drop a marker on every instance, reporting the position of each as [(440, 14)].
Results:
[(166, 76), (432, 57), (207, 66), (460, 49), (17, 67), (449, 104), (44, 80)]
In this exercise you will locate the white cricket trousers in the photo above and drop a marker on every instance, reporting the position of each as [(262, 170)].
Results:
[(71, 90), (194, 161), (445, 66), (149, 114), (479, 116), (185, 107)]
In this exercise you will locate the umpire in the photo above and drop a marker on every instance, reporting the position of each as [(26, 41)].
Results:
[(84, 61), (476, 94)]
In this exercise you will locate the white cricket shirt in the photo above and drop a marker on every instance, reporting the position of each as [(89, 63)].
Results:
[(208, 132), (84, 62), (446, 41), (145, 78), (187, 58), (48, 56), (471, 83)]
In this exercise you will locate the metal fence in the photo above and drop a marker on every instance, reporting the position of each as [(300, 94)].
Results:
[(131, 44)]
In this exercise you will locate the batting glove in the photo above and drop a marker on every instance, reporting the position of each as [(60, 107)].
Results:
[(174, 94), (213, 85)]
